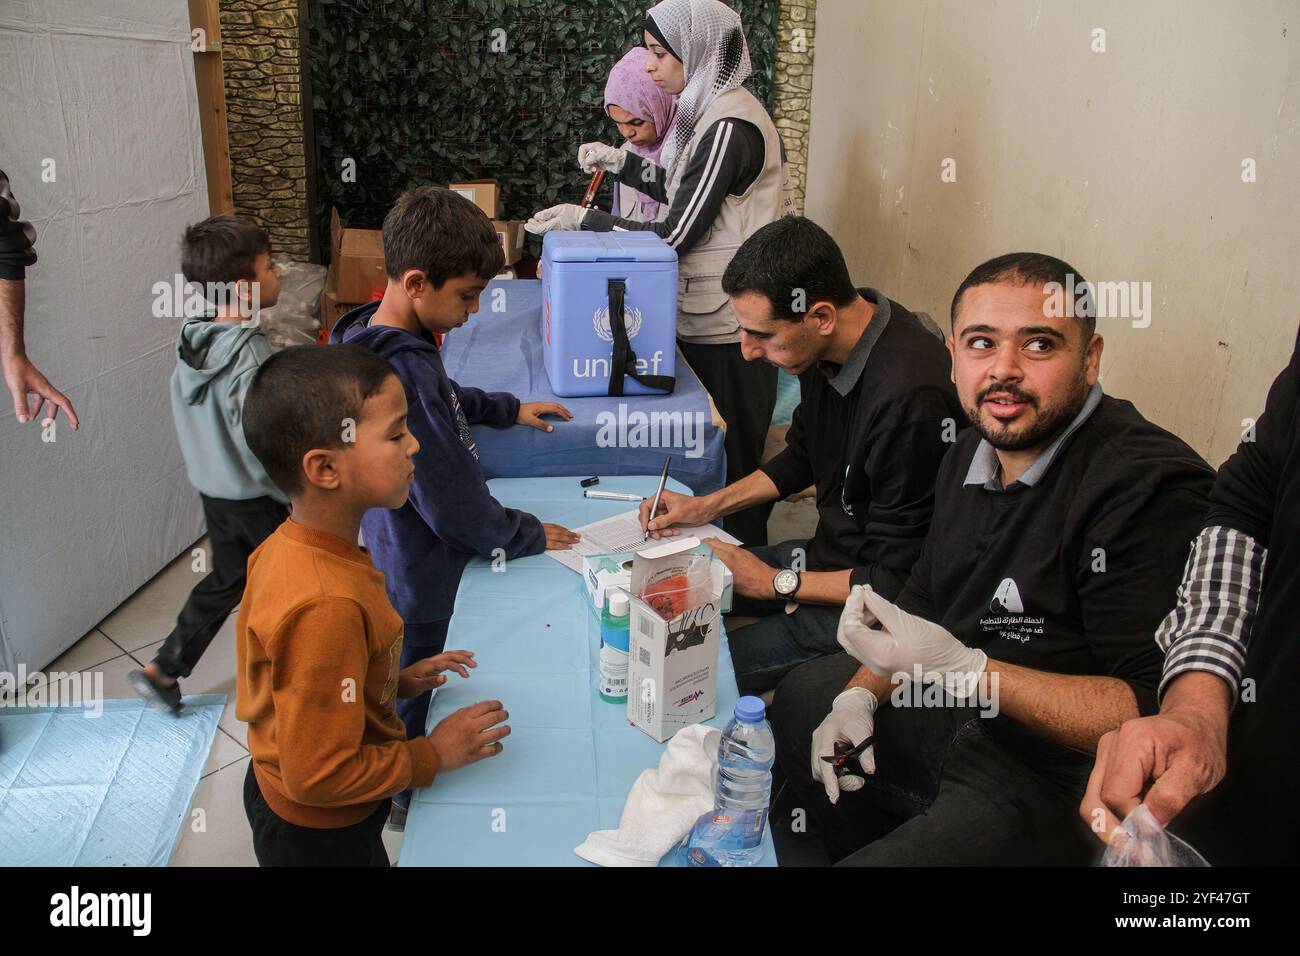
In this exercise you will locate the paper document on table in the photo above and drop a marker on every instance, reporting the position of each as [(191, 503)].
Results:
[(623, 533)]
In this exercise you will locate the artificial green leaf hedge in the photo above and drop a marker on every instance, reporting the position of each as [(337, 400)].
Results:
[(414, 93)]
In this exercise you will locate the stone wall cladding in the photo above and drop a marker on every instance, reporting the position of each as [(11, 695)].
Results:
[(260, 54), (792, 104)]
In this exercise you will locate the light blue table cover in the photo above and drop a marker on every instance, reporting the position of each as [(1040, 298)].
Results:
[(502, 351), (571, 757)]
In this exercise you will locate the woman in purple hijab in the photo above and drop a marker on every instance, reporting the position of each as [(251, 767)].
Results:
[(644, 115)]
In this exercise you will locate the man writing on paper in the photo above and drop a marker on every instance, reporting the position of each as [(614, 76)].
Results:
[(877, 413)]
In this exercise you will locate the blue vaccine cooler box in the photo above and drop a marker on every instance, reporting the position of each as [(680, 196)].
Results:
[(589, 280)]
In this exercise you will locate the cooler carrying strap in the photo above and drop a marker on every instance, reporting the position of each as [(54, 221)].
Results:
[(622, 363)]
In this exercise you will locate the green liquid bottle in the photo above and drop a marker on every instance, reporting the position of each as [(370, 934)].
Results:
[(614, 637)]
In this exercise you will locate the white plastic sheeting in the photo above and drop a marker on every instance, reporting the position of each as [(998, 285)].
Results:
[(101, 93), (295, 318)]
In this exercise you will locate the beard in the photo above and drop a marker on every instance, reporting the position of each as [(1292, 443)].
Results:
[(1048, 421)]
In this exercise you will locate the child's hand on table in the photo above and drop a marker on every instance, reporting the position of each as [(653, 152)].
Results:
[(470, 734), (427, 674), (530, 413), (559, 538)]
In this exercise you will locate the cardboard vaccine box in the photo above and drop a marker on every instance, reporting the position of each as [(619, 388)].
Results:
[(673, 663), (484, 193), (577, 338)]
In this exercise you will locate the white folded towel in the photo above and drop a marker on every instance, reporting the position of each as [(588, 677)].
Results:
[(663, 804)]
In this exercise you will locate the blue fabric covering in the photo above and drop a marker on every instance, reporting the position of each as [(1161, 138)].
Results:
[(502, 351), (787, 397), (107, 790), (571, 758)]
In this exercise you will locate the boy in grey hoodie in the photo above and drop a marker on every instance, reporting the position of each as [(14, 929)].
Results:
[(216, 359)]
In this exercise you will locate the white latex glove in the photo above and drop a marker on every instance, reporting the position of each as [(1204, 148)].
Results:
[(594, 156), (852, 720), (564, 216), (903, 641)]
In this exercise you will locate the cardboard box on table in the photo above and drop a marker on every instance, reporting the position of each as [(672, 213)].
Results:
[(672, 678), (577, 340), (484, 193), (603, 573)]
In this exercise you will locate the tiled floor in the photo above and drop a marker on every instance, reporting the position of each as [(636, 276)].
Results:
[(129, 637)]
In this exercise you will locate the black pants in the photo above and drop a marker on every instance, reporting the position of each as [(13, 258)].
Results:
[(235, 529), (945, 790), (764, 652), (277, 842), (745, 393)]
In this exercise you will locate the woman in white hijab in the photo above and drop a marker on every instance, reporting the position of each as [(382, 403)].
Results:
[(723, 177)]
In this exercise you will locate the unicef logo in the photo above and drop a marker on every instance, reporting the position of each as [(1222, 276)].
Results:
[(631, 319)]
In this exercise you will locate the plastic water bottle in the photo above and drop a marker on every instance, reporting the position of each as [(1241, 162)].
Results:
[(614, 638), (731, 834)]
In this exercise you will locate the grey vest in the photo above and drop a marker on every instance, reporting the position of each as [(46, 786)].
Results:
[(704, 312)]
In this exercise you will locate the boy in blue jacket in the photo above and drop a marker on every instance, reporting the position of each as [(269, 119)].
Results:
[(440, 251)]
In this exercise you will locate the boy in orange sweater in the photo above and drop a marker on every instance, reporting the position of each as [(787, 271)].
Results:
[(318, 643)]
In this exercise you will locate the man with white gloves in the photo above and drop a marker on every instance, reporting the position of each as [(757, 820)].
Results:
[(1024, 633)]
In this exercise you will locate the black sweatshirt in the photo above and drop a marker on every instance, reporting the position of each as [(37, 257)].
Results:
[(17, 238), (1073, 573), (1251, 817), (871, 439), (706, 182)]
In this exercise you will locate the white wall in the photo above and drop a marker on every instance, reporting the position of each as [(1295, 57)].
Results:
[(1127, 164), (105, 90)]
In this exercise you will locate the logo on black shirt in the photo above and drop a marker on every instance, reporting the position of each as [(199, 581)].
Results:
[(1006, 599), (1009, 620)]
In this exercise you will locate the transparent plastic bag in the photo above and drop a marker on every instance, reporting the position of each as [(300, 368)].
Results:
[(1141, 841), (295, 317)]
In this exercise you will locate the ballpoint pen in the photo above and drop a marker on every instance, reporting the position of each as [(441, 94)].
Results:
[(663, 480)]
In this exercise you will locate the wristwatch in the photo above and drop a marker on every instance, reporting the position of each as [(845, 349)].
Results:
[(785, 583)]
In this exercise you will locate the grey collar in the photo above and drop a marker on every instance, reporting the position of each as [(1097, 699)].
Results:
[(847, 377), (985, 467)]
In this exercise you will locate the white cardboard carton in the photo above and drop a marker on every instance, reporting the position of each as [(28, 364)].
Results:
[(604, 572), (673, 665)]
